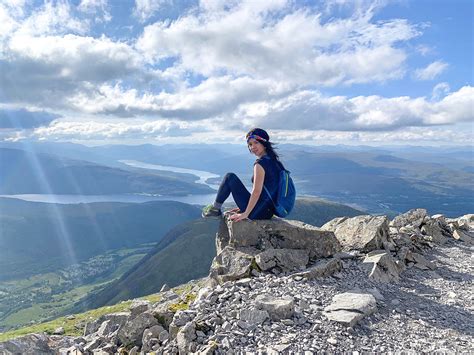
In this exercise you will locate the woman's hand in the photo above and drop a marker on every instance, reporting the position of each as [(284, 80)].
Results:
[(234, 210), (239, 217)]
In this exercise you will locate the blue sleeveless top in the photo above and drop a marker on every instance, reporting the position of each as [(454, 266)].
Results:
[(272, 173)]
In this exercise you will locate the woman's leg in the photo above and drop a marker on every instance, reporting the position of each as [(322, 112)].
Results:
[(232, 184)]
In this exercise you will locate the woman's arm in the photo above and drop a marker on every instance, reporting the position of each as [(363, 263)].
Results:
[(258, 178)]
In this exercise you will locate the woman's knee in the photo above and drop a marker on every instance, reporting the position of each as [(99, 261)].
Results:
[(230, 176)]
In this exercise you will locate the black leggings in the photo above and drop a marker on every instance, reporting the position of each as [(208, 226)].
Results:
[(232, 184)]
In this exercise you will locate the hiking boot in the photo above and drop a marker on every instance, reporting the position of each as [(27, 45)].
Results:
[(211, 211)]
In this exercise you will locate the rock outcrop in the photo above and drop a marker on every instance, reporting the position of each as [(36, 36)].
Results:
[(283, 286), (250, 247), (363, 233)]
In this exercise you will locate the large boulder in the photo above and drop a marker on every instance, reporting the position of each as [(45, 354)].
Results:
[(350, 307), (277, 233), (132, 331), (277, 308), (414, 217), (111, 321), (29, 344), (435, 230), (248, 247), (185, 338), (233, 264), (364, 233), (381, 267)]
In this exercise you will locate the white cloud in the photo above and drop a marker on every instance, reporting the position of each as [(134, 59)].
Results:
[(233, 103), (46, 70), (223, 65), (145, 9), (52, 18), (431, 71), (424, 49), (312, 111), (417, 135), (98, 8), (180, 132), (212, 98), (96, 130), (440, 90), (296, 47)]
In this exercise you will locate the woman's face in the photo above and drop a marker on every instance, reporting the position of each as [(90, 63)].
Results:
[(256, 147)]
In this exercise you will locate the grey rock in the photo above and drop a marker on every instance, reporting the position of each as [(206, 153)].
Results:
[(253, 316), (59, 331), (95, 343), (232, 264), (162, 313), (185, 338), (164, 288), (278, 234), (29, 344), (363, 233), (433, 229), (421, 262), (285, 259), (117, 319), (466, 221), (350, 307), (439, 218), (381, 267), (277, 308), (414, 217), (132, 331), (107, 327), (208, 349), (164, 335), (150, 337), (139, 306), (323, 268), (464, 236)]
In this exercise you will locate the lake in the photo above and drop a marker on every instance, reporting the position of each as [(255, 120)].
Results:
[(202, 175), (204, 199), (199, 199)]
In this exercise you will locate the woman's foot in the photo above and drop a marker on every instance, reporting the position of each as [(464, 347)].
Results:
[(211, 211)]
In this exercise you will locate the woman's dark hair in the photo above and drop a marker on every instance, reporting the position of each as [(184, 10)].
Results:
[(262, 137), (270, 149)]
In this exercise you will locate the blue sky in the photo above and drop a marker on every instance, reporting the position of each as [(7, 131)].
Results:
[(166, 71)]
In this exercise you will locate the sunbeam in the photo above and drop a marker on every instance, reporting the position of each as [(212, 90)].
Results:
[(58, 219)]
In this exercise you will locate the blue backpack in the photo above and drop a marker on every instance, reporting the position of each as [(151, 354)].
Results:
[(286, 194)]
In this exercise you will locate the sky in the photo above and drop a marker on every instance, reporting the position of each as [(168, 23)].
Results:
[(173, 71)]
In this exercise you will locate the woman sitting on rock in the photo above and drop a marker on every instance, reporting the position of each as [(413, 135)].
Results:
[(266, 170)]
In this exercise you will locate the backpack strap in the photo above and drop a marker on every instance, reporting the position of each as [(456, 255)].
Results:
[(269, 195)]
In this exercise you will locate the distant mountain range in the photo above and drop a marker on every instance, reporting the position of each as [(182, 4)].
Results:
[(386, 180), (186, 253), (28, 172)]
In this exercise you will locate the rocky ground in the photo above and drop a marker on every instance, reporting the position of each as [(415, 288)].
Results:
[(416, 295), (427, 311)]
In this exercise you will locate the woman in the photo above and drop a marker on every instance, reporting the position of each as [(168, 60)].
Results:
[(257, 204)]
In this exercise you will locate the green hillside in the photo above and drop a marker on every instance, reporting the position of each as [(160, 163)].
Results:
[(61, 235)]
